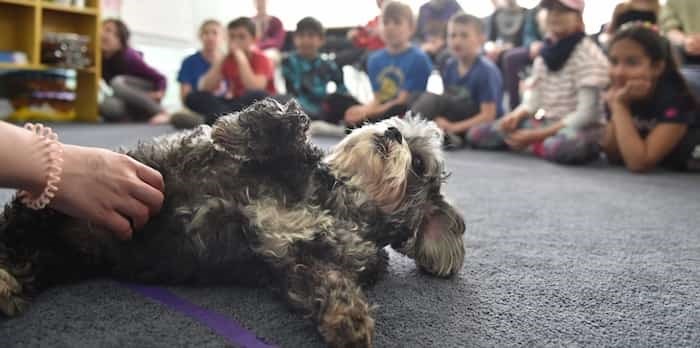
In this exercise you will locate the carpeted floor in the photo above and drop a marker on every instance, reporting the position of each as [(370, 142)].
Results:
[(557, 256)]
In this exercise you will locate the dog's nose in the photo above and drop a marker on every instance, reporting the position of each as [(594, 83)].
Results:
[(393, 134)]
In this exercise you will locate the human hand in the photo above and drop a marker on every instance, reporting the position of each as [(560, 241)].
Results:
[(433, 44), (156, 95), (510, 122), (535, 49), (234, 48), (691, 44), (428, 47), (108, 189), (219, 56), (159, 118), (493, 50), (352, 33), (632, 90), (523, 137), (355, 115)]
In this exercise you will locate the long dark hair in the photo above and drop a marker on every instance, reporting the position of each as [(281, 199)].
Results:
[(123, 32), (658, 49), (116, 64)]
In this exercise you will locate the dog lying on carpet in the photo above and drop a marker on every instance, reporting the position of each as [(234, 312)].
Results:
[(251, 201)]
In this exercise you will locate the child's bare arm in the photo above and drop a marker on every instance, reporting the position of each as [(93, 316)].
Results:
[(609, 144)]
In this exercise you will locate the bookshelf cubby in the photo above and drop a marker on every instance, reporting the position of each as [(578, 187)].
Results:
[(23, 23)]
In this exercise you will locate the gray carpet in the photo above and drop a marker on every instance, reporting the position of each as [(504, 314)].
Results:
[(557, 256)]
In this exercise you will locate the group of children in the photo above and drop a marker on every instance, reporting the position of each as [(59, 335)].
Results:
[(632, 104)]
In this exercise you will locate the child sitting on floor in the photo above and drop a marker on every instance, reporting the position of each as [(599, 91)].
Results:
[(399, 73), (473, 85), (653, 116), (248, 74), (306, 74), (560, 118)]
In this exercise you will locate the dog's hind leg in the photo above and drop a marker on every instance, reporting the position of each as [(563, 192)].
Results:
[(333, 300), (266, 131)]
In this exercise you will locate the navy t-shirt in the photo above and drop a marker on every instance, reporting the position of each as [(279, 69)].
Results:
[(483, 82)]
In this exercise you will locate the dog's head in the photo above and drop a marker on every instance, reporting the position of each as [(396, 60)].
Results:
[(398, 164)]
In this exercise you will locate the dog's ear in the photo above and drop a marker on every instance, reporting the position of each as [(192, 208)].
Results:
[(438, 247)]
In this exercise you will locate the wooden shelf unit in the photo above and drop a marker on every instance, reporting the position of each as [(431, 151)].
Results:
[(22, 24)]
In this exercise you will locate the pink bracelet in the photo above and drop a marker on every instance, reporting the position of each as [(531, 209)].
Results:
[(54, 166)]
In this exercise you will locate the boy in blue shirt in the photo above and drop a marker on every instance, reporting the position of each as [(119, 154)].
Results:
[(473, 85), (307, 75), (399, 72)]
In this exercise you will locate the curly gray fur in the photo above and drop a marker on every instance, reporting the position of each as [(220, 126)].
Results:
[(251, 201)]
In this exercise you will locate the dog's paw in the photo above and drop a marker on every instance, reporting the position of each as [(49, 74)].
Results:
[(347, 319), (10, 303), (347, 325)]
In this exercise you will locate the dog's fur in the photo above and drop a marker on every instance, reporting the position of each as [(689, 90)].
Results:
[(251, 201)]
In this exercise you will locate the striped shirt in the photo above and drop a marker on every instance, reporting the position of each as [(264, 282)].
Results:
[(556, 92)]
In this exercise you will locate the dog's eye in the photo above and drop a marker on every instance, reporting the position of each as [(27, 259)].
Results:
[(417, 165)]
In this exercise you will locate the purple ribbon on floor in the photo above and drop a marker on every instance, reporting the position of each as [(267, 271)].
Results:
[(222, 325)]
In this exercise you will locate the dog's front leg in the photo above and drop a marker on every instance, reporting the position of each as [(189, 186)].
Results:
[(333, 300)]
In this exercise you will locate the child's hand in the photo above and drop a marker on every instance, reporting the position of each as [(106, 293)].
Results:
[(355, 115), (535, 49), (156, 95), (510, 122), (523, 137), (632, 90), (234, 49), (692, 45)]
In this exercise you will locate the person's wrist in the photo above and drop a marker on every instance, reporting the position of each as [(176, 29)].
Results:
[(39, 185), (617, 104)]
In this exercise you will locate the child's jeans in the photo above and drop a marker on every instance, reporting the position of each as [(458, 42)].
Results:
[(568, 146)]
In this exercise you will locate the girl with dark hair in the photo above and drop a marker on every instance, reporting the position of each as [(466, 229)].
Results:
[(653, 116), (138, 88)]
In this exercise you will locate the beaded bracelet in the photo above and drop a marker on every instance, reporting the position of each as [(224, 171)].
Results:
[(54, 166)]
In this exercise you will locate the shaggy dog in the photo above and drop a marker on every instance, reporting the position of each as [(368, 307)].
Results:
[(251, 201)]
